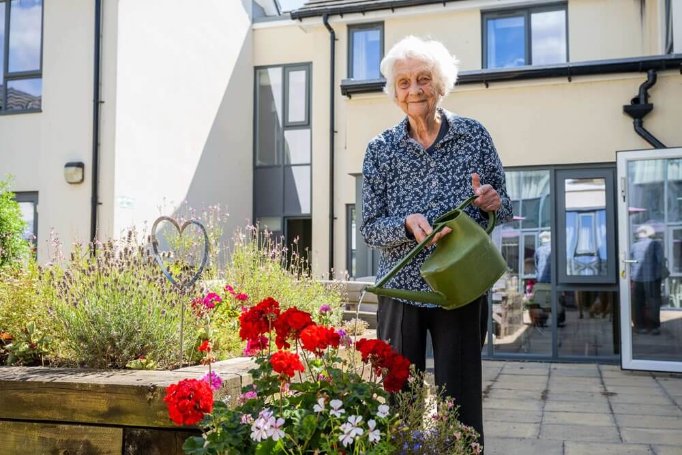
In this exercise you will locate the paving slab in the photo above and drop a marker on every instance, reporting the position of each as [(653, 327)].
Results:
[(640, 399), (578, 418), (564, 395), (511, 415), (601, 406), (579, 433), (639, 409), (578, 372), (595, 448), (665, 450), (511, 429), (512, 446), (513, 404), (652, 436), (645, 421)]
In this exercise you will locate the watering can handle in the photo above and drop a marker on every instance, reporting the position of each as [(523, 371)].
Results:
[(417, 249)]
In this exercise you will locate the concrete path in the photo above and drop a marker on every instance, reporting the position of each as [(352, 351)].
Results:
[(574, 409)]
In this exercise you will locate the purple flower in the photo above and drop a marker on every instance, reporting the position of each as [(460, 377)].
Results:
[(325, 309), (213, 380)]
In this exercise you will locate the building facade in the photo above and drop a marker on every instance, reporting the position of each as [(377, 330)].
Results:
[(267, 106)]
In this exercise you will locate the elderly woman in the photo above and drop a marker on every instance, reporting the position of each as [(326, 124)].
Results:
[(424, 166)]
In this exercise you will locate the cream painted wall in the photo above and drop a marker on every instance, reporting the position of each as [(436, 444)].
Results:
[(35, 147), (184, 113)]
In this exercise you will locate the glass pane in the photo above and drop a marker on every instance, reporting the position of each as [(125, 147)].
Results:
[(352, 228), (28, 210), (586, 323), (267, 184), (655, 233), (297, 146), (529, 256), (25, 24), (586, 253), (271, 223), (522, 320), (506, 42), (366, 54), (297, 190), (297, 96), (268, 116), (548, 37), (24, 94)]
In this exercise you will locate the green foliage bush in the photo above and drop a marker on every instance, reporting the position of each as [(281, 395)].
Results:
[(115, 308), (24, 318), (261, 266), (14, 249)]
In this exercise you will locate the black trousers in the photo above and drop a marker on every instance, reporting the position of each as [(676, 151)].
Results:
[(457, 339)]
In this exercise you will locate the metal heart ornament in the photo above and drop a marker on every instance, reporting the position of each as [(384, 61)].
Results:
[(180, 228)]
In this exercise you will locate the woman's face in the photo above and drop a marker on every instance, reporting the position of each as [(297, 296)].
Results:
[(415, 92)]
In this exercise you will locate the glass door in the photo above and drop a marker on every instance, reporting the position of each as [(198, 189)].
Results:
[(650, 267)]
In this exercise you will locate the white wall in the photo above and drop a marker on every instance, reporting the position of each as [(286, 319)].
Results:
[(183, 126)]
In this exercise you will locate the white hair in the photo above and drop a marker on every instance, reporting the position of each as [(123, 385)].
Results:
[(442, 64)]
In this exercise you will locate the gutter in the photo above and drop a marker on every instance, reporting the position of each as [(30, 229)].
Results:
[(569, 70), (96, 101), (332, 63), (363, 7)]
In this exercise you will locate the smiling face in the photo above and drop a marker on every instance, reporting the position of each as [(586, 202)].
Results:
[(415, 91)]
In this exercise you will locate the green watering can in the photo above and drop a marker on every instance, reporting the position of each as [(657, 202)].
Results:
[(464, 265)]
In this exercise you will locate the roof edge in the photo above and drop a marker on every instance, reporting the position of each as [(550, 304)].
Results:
[(303, 13)]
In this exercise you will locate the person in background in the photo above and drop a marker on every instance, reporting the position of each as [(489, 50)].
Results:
[(426, 165), (646, 274)]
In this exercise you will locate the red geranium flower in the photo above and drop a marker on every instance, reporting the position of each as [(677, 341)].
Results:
[(286, 363), (393, 367), (289, 325), (188, 401), (256, 321), (205, 346), (317, 338)]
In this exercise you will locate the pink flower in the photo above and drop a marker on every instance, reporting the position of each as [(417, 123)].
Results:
[(253, 347), (213, 379), (241, 297), (211, 299), (250, 395), (229, 289)]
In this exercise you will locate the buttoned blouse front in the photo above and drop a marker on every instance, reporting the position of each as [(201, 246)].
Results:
[(401, 178)]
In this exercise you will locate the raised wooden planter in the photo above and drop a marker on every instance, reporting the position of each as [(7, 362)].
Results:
[(70, 411)]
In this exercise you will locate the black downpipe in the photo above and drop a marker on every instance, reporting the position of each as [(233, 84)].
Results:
[(96, 101), (639, 107), (332, 63)]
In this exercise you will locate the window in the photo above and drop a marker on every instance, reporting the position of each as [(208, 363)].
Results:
[(283, 149), (365, 50), (530, 36), (28, 204), (21, 85)]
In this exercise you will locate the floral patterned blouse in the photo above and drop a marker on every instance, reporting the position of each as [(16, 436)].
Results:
[(400, 177)]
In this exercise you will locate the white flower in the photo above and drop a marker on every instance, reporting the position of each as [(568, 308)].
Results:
[(319, 407), (373, 433), (383, 411), (275, 431), (351, 430), (261, 427), (337, 410)]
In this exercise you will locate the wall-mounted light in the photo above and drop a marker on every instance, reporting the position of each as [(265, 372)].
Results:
[(74, 172)]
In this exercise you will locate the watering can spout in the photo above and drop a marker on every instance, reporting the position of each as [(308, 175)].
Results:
[(464, 265), (437, 298)]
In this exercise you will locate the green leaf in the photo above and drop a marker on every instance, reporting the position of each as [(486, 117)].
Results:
[(194, 445)]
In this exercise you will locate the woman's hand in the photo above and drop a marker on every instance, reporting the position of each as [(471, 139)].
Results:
[(417, 225), (488, 199)]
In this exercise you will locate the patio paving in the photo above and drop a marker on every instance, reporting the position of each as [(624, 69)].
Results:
[(574, 409)]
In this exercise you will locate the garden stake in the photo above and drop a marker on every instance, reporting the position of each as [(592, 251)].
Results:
[(183, 285)]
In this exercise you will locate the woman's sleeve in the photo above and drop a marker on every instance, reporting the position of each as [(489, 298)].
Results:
[(494, 175), (379, 228)]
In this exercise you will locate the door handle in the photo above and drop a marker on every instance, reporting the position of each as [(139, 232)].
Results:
[(630, 261)]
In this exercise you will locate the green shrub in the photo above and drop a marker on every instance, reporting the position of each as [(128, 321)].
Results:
[(115, 309), (14, 249), (261, 266), (23, 317)]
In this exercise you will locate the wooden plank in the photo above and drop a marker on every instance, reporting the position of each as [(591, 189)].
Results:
[(94, 397), (144, 441), (20, 438)]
